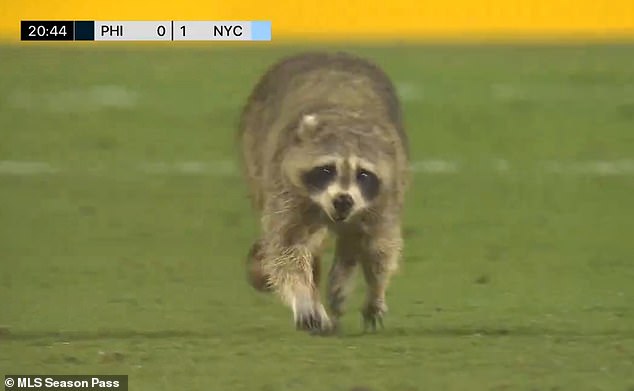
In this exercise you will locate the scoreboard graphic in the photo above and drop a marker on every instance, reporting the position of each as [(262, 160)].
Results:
[(169, 30)]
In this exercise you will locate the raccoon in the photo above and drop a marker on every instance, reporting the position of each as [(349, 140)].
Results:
[(325, 153)]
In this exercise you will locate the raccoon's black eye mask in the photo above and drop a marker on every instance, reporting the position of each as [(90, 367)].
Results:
[(318, 178), (368, 183)]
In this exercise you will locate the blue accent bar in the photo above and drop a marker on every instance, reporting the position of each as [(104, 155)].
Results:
[(84, 30), (261, 31)]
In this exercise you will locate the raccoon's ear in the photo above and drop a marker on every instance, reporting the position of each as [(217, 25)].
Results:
[(307, 124)]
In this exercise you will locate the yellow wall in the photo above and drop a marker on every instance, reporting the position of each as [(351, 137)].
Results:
[(330, 19)]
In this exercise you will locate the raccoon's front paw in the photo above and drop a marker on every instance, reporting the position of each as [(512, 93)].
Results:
[(311, 317), (373, 314)]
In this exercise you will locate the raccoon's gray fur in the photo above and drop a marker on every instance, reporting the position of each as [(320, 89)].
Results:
[(325, 151)]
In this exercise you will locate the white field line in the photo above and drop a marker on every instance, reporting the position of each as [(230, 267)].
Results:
[(230, 168), (600, 168), (114, 96), (9, 167), (410, 91), (76, 100)]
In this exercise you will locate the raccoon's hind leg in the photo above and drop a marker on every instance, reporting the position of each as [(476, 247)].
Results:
[(255, 275), (340, 277), (379, 260)]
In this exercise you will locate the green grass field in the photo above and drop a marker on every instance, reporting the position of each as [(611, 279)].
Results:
[(124, 225)]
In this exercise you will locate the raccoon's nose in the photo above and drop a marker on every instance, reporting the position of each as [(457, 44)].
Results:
[(343, 203)]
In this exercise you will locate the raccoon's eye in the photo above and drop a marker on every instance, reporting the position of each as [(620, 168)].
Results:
[(319, 177), (368, 183)]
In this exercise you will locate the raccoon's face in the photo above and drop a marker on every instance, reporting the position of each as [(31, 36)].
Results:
[(342, 186), (340, 166)]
